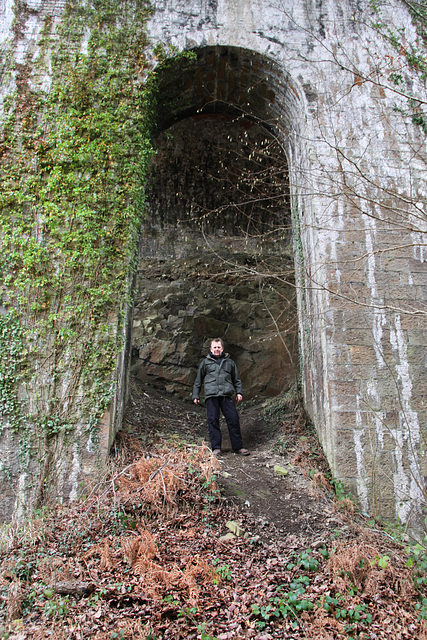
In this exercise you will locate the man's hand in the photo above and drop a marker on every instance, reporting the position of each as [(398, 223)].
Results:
[(239, 398), (196, 401)]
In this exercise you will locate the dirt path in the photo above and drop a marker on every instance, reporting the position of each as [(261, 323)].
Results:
[(274, 484)]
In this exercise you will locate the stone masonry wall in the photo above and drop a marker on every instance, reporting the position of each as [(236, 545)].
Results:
[(356, 170)]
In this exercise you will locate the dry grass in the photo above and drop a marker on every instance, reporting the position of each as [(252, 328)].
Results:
[(140, 553)]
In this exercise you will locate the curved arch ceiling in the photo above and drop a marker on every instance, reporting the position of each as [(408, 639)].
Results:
[(228, 80), (216, 253)]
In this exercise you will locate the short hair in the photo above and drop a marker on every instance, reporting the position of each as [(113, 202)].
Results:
[(218, 340)]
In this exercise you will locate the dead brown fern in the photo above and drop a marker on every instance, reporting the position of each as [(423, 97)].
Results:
[(51, 570), (140, 553), (155, 578), (160, 480), (130, 547), (323, 626), (320, 480), (143, 546), (344, 505), (103, 550), (15, 596), (197, 573), (359, 564), (107, 560)]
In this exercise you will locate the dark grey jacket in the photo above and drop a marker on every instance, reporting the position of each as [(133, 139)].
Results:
[(220, 379)]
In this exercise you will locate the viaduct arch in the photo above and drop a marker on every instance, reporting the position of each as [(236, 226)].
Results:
[(338, 131), (225, 124)]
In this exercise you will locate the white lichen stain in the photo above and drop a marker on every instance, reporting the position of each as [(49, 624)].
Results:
[(21, 500), (374, 402), (418, 222), (408, 484), (369, 240), (419, 240), (75, 473), (90, 446), (358, 434), (336, 227), (378, 322), (378, 318)]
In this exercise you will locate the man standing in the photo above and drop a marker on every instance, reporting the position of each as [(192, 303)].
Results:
[(218, 373)]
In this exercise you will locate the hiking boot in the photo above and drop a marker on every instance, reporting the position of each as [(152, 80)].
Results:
[(216, 452), (243, 452)]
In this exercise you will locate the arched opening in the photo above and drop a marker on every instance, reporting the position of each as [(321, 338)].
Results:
[(216, 254)]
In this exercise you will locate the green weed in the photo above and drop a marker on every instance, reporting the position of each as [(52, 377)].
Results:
[(56, 607), (417, 561), (285, 604), (305, 561), (201, 628), (224, 571)]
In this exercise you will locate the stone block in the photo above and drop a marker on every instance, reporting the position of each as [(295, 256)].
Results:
[(333, 318), (338, 354), (235, 528), (394, 265), (411, 321), (417, 337), (354, 276), (362, 354), (160, 350), (346, 462), (354, 291), (419, 401), (414, 278), (280, 471), (339, 402), (348, 420), (384, 509), (356, 337)]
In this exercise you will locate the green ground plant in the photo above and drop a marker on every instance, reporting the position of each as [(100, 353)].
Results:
[(417, 562), (285, 603)]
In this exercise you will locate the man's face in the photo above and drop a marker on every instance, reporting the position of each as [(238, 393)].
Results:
[(216, 348)]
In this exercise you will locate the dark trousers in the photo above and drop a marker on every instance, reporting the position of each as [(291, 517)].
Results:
[(229, 411)]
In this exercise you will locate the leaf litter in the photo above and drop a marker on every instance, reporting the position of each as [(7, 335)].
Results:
[(147, 554)]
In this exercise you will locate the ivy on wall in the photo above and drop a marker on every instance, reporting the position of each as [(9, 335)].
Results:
[(73, 162), (413, 55)]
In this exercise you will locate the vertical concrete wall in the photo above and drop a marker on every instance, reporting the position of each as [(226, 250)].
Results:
[(359, 208)]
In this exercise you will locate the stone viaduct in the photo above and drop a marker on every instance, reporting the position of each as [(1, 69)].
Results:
[(334, 94)]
